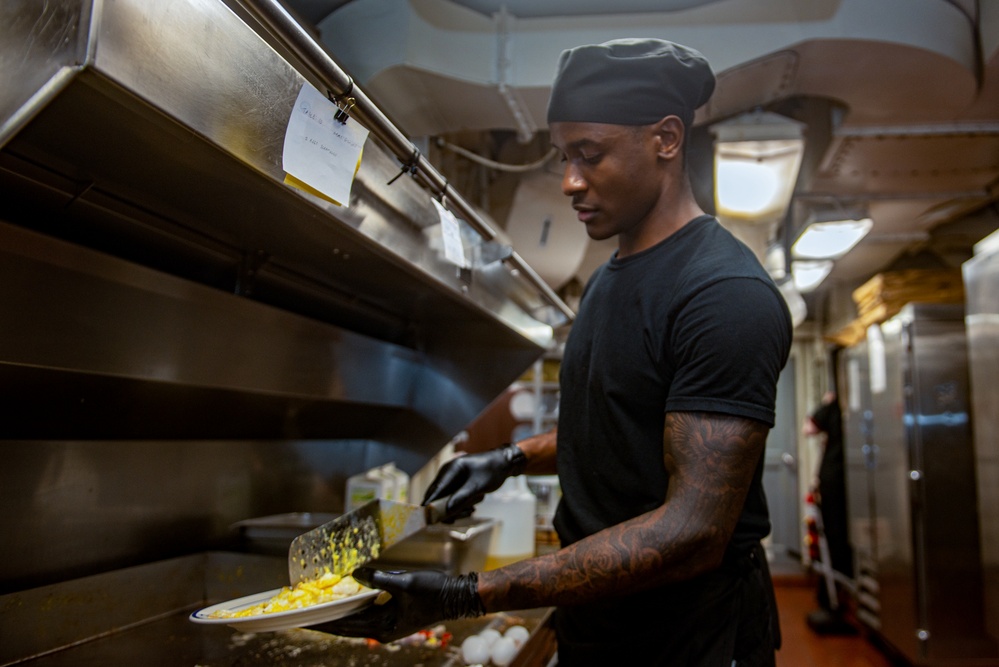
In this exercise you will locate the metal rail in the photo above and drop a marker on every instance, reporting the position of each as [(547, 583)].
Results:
[(283, 26)]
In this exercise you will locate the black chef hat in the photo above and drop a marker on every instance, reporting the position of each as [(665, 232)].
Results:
[(629, 82)]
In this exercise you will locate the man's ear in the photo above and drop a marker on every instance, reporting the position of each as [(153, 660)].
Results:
[(670, 132)]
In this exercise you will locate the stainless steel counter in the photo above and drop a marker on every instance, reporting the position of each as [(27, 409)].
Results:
[(138, 616), (176, 642)]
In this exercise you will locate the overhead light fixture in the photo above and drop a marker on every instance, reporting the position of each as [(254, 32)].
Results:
[(757, 157), (809, 274), (830, 239)]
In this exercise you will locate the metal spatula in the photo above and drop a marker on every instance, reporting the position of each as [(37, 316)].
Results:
[(355, 538)]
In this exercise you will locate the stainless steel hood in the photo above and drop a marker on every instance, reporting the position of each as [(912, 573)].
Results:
[(159, 280)]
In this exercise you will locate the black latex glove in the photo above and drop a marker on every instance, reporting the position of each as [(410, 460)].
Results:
[(419, 599), (467, 479)]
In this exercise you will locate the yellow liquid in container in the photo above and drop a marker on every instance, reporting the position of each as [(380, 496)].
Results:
[(494, 562), (513, 507)]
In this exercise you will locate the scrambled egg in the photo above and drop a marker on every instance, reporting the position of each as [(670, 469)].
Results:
[(327, 588), (346, 550)]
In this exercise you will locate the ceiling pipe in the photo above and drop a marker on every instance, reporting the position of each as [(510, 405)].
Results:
[(972, 129), (526, 126), (891, 196), (283, 27)]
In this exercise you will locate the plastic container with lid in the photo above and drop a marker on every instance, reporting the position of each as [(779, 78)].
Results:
[(513, 506), (400, 483), (364, 487), (386, 482)]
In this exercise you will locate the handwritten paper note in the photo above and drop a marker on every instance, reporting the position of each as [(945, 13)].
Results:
[(454, 251), (319, 150), (877, 360)]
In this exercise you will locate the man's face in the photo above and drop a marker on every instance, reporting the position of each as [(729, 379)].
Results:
[(611, 173)]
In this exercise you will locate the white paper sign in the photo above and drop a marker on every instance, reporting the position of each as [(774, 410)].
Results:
[(853, 373), (454, 251), (877, 362), (319, 150)]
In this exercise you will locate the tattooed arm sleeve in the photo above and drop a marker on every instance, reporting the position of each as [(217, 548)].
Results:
[(711, 459)]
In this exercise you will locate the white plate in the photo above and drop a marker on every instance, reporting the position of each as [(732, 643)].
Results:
[(283, 620)]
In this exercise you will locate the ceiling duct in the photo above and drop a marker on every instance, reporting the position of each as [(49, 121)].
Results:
[(441, 67), (434, 66)]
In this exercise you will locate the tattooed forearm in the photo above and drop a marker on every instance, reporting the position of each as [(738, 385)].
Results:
[(711, 460)]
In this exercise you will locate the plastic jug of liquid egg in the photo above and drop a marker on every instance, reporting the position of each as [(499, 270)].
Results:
[(400, 486), (513, 507)]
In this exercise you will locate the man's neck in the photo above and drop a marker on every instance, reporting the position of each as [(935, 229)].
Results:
[(660, 225)]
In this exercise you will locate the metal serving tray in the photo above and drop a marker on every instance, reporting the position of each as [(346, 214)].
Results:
[(273, 534), (453, 548)]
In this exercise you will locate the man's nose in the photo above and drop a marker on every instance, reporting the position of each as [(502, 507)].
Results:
[(572, 181)]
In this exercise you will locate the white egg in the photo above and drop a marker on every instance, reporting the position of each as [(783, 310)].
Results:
[(518, 633), (490, 635), (474, 650), (503, 651)]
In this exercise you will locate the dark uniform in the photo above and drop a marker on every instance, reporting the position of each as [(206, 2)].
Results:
[(691, 324)]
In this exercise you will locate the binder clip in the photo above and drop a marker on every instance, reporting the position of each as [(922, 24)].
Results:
[(344, 102), (343, 112)]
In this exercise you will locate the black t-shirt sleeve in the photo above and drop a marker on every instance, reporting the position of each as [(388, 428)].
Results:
[(727, 347)]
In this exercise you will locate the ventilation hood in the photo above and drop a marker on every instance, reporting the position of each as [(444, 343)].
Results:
[(159, 280)]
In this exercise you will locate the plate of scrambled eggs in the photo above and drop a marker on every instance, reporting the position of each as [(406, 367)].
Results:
[(307, 603)]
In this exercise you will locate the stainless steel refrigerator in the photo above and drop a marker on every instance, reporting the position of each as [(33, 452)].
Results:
[(981, 282), (911, 481)]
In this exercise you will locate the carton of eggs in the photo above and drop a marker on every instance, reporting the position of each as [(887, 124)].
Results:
[(475, 650), (503, 651), (491, 647)]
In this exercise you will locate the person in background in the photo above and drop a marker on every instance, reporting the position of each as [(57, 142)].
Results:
[(668, 385), (827, 420)]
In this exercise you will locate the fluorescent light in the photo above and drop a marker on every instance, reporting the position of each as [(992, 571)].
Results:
[(757, 156), (809, 274), (746, 188), (829, 240)]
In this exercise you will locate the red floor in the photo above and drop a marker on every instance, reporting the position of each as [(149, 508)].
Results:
[(804, 648)]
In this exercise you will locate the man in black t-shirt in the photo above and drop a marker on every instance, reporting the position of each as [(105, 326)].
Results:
[(668, 388)]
